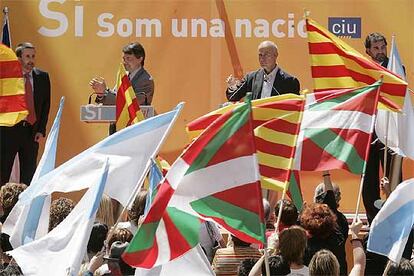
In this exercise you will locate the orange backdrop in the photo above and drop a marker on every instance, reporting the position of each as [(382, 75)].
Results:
[(77, 40)]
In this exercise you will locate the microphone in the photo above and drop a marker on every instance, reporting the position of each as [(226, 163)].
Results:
[(266, 80)]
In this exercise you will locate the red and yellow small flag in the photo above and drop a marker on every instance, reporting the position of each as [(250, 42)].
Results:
[(127, 107), (12, 101)]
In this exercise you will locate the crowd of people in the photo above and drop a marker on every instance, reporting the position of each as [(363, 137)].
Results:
[(310, 241)]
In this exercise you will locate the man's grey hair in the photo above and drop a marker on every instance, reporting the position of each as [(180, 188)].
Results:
[(268, 44)]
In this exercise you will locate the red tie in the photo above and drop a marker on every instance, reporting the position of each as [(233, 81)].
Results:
[(31, 118)]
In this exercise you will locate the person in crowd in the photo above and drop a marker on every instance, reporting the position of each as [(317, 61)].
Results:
[(97, 239), (320, 224), (133, 59), (135, 214), (376, 48), (105, 213), (210, 239), (292, 245), (405, 267), (289, 214), (227, 260), (24, 137), (330, 194), (9, 195), (269, 80), (324, 263), (277, 266), (246, 266), (59, 210)]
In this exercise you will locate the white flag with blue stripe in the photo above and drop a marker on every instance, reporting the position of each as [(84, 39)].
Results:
[(392, 225), (25, 219), (400, 134), (128, 152), (61, 251)]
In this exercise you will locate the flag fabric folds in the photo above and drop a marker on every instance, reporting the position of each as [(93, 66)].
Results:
[(128, 151), (127, 107), (392, 225), (336, 65), (336, 129), (155, 177), (12, 101), (400, 134), (62, 250), (25, 219), (210, 180), (276, 121)]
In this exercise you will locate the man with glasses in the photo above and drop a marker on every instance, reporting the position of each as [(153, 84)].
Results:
[(269, 80)]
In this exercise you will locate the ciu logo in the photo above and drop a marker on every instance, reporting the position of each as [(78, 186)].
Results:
[(345, 26)]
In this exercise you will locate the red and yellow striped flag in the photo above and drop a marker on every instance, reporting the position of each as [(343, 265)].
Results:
[(12, 101), (336, 65), (276, 122), (127, 107)]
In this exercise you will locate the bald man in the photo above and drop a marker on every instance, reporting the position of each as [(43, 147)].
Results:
[(269, 80)]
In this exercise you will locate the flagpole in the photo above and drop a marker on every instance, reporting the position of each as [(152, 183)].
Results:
[(147, 167), (367, 152)]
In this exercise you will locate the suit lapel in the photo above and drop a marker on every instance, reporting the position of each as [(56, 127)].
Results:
[(277, 82), (258, 84)]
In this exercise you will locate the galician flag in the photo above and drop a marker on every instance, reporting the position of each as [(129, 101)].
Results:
[(336, 129), (216, 178), (400, 134)]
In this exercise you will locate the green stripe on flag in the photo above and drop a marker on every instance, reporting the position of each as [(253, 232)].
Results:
[(238, 119), (295, 193), (332, 103), (144, 238), (234, 216), (328, 141), (188, 225)]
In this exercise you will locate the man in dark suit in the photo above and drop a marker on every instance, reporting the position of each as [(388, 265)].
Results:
[(376, 48), (269, 80), (24, 137)]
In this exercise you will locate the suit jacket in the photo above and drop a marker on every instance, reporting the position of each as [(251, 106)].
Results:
[(41, 95), (143, 86), (253, 82)]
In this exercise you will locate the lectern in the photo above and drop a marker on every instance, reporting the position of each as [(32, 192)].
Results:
[(97, 113)]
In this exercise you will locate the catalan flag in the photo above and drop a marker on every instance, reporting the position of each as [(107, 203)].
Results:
[(276, 122), (12, 100), (127, 107), (336, 65)]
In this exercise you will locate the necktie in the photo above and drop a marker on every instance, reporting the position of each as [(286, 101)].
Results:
[(31, 118)]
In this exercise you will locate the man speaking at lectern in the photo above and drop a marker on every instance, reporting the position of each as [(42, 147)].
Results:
[(269, 80), (141, 81)]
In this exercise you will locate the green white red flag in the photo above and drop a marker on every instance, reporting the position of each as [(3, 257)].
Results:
[(215, 178), (336, 129)]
